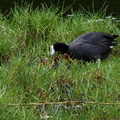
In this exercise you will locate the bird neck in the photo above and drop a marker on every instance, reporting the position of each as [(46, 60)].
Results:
[(62, 47)]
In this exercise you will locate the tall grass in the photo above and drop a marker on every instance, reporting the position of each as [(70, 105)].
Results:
[(25, 39)]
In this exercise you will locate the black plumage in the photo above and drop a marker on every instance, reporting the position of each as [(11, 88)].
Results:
[(90, 46)]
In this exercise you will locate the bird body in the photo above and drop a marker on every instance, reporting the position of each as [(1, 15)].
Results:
[(90, 46)]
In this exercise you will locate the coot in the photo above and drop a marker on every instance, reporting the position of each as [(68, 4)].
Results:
[(90, 46)]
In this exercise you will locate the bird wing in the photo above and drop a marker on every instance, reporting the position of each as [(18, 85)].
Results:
[(96, 38)]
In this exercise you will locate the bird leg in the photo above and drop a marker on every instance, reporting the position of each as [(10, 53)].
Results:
[(67, 57), (98, 60)]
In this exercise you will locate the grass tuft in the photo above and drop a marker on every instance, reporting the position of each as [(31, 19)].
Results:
[(26, 36)]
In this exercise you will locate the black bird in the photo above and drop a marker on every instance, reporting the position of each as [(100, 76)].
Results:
[(90, 46)]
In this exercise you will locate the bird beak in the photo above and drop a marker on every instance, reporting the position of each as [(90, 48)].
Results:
[(52, 51)]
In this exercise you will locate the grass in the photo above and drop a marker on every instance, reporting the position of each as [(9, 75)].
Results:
[(25, 39)]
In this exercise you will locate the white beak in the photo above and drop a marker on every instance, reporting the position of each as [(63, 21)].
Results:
[(52, 51)]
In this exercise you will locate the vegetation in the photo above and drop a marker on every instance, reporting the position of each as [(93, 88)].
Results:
[(25, 39)]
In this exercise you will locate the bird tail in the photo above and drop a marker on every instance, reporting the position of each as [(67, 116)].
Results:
[(115, 36)]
